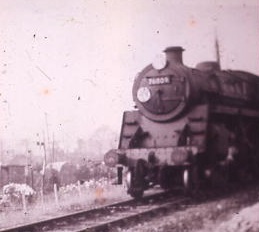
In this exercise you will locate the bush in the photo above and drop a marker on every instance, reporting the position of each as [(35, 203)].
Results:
[(12, 194)]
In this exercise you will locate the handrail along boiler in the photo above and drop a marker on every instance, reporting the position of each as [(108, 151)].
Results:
[(191, 125)]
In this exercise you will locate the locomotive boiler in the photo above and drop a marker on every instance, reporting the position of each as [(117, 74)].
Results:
[(191, 126)]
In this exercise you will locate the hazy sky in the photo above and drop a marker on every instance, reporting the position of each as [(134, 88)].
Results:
[(72, 63)]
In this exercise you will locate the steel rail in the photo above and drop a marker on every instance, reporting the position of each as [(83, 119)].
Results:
[(72, 218), (138, 216)]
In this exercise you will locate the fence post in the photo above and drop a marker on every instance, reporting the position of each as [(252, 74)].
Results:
[(24, 206), (42, 198), (79, 189), (56, 194)]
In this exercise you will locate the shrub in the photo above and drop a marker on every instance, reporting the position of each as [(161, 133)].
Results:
[(12, 194)]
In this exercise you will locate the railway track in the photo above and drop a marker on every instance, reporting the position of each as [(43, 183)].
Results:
[(107, 217), (127, 213)]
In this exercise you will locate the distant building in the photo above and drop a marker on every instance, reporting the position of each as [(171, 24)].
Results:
[(14, 171), (12, 174)]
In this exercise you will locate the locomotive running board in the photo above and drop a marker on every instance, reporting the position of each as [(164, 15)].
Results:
[(219, 109)]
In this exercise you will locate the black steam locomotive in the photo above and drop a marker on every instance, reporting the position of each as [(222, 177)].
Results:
[(191, 126)]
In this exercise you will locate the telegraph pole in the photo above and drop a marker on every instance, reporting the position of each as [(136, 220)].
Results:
[(53, 148), (217, 50), (1, 152), (47, 130), (41, 143)]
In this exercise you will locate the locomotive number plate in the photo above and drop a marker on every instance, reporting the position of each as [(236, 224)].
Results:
[(159, 80)]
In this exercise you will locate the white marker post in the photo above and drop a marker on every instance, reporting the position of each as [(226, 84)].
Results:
[(56, 194), (24, 206), (79, 189)]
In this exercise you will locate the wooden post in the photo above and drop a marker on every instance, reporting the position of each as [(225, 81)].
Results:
[(39, 143), (42, 199), (79, 189), (24, 206), (56, 194)]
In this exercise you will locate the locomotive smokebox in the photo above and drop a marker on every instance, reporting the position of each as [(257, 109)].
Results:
[(174, 55)]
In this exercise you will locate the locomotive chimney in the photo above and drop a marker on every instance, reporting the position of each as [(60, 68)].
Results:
[(174, 55)]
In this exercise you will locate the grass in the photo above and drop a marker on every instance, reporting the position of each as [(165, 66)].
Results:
[(70, 199)]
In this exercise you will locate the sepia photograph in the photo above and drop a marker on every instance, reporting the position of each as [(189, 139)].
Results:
[(134, 115)]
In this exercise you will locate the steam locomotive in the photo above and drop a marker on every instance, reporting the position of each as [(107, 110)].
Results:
[(192, 126)]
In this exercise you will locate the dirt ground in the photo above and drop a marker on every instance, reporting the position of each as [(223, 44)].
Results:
[(238, 213)]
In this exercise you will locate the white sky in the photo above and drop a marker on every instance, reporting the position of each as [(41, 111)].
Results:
[(75, 61)]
